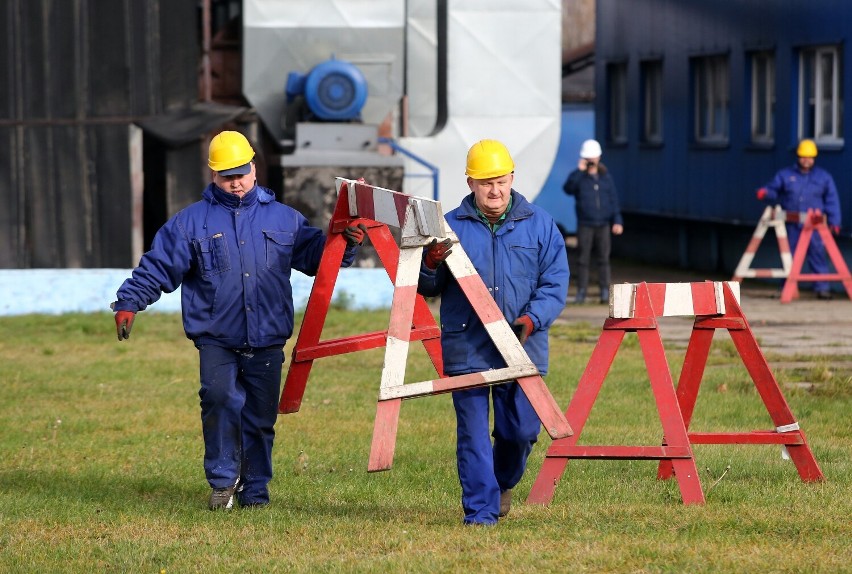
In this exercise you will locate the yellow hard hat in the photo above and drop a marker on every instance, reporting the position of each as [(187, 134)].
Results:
[(807, 148), (229, 150), (487, 159)]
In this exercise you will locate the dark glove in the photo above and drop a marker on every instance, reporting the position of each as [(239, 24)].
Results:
[(123, 323), (762, 193), (355, 235), (522, 327), (835, 229), (436, 252)]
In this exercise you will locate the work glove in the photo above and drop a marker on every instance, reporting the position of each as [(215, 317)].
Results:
[(762, 193), (355, 235), (123, 323), (436, 252), (523, 327)]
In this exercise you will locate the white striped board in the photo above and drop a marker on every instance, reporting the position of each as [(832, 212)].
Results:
[(672, 299)]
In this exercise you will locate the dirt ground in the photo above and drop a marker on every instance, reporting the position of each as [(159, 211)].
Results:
[(787, 332)]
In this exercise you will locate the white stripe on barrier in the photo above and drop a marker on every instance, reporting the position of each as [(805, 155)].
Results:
[(396, 359), (677, 299)]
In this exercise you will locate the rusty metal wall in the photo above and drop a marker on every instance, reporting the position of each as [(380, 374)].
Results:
[(74, 76)]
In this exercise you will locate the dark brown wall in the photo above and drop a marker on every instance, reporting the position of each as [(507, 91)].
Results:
[(74, 76)]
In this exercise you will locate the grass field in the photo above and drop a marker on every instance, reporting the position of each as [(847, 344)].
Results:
[(101, 469)]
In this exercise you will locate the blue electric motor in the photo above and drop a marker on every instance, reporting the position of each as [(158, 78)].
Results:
[(333, 90)]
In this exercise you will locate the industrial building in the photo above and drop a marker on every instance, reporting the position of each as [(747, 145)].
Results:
[(107, 107), (698, 104)]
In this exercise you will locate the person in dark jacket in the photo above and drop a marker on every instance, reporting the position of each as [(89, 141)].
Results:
[(519, 253), (798, 188), (232, 254), (598, 216)]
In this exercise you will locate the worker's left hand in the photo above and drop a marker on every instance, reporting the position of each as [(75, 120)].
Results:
[(355, 234), (437, 252), (617, 229), (523, 327), (835, 229), (123, 323)]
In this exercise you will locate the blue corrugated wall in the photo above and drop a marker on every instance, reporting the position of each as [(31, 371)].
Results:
[(695, 205)]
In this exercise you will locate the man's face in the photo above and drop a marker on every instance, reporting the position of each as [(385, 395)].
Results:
[(806, 163), (492, 195), (239, 185)]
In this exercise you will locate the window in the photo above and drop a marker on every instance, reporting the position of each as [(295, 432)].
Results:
[(617, 89), (652, 101), (712, 99), (762, 97), (820, 94)]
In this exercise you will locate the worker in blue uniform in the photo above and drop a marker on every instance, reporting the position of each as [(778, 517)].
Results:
[(232, 254), (520, 255), (798, 188)]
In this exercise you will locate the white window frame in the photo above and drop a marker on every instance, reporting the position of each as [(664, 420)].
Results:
[(711, 81), (820, 95), (763, 97), (652, 94)]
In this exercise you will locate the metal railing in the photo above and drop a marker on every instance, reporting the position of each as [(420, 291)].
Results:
[(433, 169)]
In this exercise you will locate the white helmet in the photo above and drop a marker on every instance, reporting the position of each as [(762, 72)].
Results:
[(590, 149)]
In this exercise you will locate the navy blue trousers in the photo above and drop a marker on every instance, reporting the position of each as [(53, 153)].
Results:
[(594, 241), (816, 256), (239, 405), (486, 469)]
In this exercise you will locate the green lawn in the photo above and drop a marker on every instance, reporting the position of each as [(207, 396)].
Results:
[(101, 469)]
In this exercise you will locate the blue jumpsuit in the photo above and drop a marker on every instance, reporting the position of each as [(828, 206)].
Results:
[(233, 258), (524, 265), (795, 192)]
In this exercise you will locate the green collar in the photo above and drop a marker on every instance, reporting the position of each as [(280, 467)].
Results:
[(493, 226)]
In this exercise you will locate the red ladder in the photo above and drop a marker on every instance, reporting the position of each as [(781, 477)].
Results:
[(420, 220)]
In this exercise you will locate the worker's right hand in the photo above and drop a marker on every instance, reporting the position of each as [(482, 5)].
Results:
[(123, 323), (762, 193), (354, 235), (436, 252)]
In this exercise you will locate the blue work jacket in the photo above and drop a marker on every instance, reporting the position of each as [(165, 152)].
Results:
[(795, 192), (524, 266), (596, 199), (232, 258)]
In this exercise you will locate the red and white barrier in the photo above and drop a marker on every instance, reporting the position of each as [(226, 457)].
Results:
[(419, 220), (814, 221), (773, 217), (635, 308)]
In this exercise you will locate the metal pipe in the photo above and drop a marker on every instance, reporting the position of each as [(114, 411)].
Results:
[(206, 87)]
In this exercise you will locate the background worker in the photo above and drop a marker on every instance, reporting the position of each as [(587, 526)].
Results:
[(518, 251), (232, 252), (598, 215), (796, 189)]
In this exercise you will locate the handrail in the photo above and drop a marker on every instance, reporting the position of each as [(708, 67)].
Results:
[(431, 167)]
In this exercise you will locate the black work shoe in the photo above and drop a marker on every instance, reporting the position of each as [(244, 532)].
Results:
[(505, 502), (222, 498), (823, 295)]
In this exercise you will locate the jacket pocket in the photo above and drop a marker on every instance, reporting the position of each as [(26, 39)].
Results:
[(523, 261), (279, 249), (212, 253), (455, 337)]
